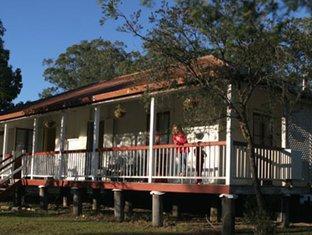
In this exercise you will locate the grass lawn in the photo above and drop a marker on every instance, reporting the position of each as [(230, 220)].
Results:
[(62, 222)]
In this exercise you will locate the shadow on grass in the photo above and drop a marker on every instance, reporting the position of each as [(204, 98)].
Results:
[(33, 214)]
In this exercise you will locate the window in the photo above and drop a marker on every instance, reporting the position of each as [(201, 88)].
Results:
[(162, 126), (23, 140), (49, 136), (90, 135), (262, 130)]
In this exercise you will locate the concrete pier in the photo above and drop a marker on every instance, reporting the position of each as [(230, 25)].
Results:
[(228, 213), (119, 204), (64, 194), (77, 203), (157, 208), (43, 197), (175, 211), (96, 200)]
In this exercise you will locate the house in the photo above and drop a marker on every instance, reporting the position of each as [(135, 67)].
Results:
[(103, 135)]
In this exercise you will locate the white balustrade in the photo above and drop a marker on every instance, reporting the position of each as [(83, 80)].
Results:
[(272, 163)]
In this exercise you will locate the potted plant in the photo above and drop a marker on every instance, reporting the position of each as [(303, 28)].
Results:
[(119, 112), (49, 124), (190, 103)]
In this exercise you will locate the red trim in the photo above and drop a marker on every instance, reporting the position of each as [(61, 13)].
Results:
[(160, 146), (118, 87), (238, 143), (76, 151), (51, 153), (45, 153), (132, 148), (131, 186), (123, 148)]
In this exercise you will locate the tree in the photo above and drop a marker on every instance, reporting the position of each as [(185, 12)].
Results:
[(86, 63), (10, 81), (257, 44)]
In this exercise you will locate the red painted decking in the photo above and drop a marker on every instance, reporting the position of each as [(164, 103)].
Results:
[(132, 186)]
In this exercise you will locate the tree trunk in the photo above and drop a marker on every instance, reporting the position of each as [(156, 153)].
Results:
[(250, 152)]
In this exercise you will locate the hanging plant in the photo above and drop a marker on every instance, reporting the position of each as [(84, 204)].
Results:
[(190, 103), (49, 124), (119, 112)]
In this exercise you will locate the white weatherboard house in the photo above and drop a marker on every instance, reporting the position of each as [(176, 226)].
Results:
[(77, 137)]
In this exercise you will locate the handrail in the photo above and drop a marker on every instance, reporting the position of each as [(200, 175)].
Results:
[(160, 146), (239, 143), (137, 147), (6, 178), (9, 163), (9, 156), (57, 152)]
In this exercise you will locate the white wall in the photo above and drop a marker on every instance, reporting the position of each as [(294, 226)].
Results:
[(300, 141), (260, 103), (129, 130), (24, 123), (76, 128)]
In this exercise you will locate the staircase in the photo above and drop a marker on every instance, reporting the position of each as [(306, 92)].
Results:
[(8, 172)]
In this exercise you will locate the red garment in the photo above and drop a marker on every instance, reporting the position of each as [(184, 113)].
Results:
[(180, 139)]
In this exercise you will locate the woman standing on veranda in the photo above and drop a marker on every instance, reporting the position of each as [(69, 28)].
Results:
[(179, 138)]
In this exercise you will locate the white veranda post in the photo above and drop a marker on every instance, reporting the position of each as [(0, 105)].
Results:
[(5, 140), (284, 132), (284, 127), (229, 140), (96, 131), (62, 144), (34, 145), (151, 139)]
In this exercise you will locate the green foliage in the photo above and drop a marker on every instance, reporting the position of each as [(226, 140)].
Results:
[(260, 220), (257, 45), (86, 63), (10, 80), (261, 44)]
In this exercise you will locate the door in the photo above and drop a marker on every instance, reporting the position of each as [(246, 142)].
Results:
[(89, 147), (262, 130), (162, 127), (23, 142), (49, 136)]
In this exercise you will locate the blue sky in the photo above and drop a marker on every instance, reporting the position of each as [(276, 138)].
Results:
[(39, 29)]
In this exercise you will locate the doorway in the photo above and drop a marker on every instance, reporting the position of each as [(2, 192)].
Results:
[(23, 142), (89, 147)]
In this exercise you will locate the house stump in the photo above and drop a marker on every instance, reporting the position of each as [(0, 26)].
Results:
[(175, 210), (119, 204), (228, 213), (157, 208), (95, 199), (43, 197), (64, 193), (77, 203)]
